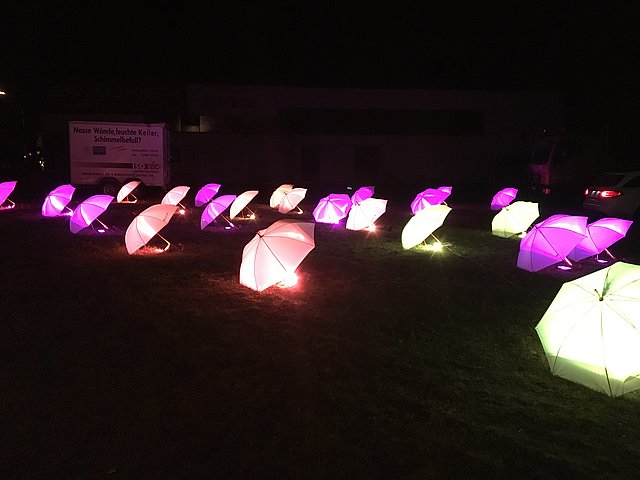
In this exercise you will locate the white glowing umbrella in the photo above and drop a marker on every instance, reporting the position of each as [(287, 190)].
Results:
[(514, 219), (275, 253), (423, 224), (291, 199), (364, 214), (591, 331), (278, 193), (147, 225), (88, 211), (126, 191), (6, 188), (175, 196), (206, 193), (214, 209), (241, 202), (57, 201)]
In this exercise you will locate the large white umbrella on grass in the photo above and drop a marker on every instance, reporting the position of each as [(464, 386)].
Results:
[(278, 193), (364, 214), (423, 224), (241, 203), (514, 219), (291, 199), (147, 224)]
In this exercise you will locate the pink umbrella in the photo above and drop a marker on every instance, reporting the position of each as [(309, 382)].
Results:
[(88, 212), (241, 203), (601, 234), (550, 241), (175, 196), (278, 193), (57, 201), (428, 197), (214, 209), (126, 191), (147, 225), (206, 193), (332, 208), (503, 198), (291, 199), (6, 188), (362, 194)]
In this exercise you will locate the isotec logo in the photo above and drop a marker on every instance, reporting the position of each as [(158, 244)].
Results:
[(146, 166)]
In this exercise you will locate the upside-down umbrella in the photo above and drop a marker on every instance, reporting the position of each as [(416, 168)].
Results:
[(215, 208), (275, 252), (57, 201), (362, 194), (241, 202), (6, 188), (503, 198), (175, 196), (278, 193), (423, 224), (127, 190), (427, 198), (206, 193), (364, 214), (147, 224), (332, 208), (88, 211), (291, 199), (514, 219), (550, 241), (601, 234), (591, 331)]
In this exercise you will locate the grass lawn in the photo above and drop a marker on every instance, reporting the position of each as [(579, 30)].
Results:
[(380, 363)]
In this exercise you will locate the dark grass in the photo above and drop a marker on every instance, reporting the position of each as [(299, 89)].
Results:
[(381, 363)]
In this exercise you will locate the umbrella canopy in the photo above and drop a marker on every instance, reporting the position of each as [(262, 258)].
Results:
[(6, 189), (175, 195), (427, 198), (146, 225), (423, 224), (446, 189), (332, 208), (291, 199), (278, 193), (503, 198), (550, 241), (275, 252), (241, 202), (591, 331), (126, 190), (362, 194), (57, 200), (514, 219), (601, 234), (214, 208), (364, 214), (88, 211), (206, 193)]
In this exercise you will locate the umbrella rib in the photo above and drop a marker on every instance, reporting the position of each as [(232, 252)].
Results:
[(604, 356)]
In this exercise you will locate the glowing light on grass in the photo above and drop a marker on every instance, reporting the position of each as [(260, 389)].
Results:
[(290, 280), (6, 189), (56, 201), (433, 247)]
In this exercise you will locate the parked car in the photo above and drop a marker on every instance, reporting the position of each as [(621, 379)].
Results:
[(615, 194)]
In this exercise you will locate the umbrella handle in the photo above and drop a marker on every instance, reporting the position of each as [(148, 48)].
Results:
[(166, 241), (135, 199), (227, 220), (300, 212), (10, 206), (105, 227), (610, 254)]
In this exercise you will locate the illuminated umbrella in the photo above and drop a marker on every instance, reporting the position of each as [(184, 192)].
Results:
[(175, 196), (514, 219), (57, 201), (550, 241), (6, 188), (362, 194), (214, 209), (241, 202), (364, 214), (88, 211), (291, 199), (446, 189), (278, 193), (126, 191), (332, 208), (427, 198), (591, 331), (503, 198), (206, 193), (423, 224), (275, 253), (147, 224), (601, 234)]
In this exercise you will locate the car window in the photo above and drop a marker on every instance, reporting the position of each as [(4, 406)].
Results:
[(633, 183), (608, 179)]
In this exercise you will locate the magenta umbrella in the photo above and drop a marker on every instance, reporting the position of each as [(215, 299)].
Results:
[(601, 234), (206, 193), (427, 198), (6, 188), (332, 208), (503, 198), (215, 208), (362, 194), (88, 211), (57, 201), (550, 241)]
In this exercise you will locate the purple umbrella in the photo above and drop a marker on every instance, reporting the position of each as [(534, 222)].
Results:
[(362, 194), (206, 193), (88, 212), (601, 234), (57, 201), (6, 188), (550, 241), (215, 208), (332, 208), (428, 197), (503, 198)]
